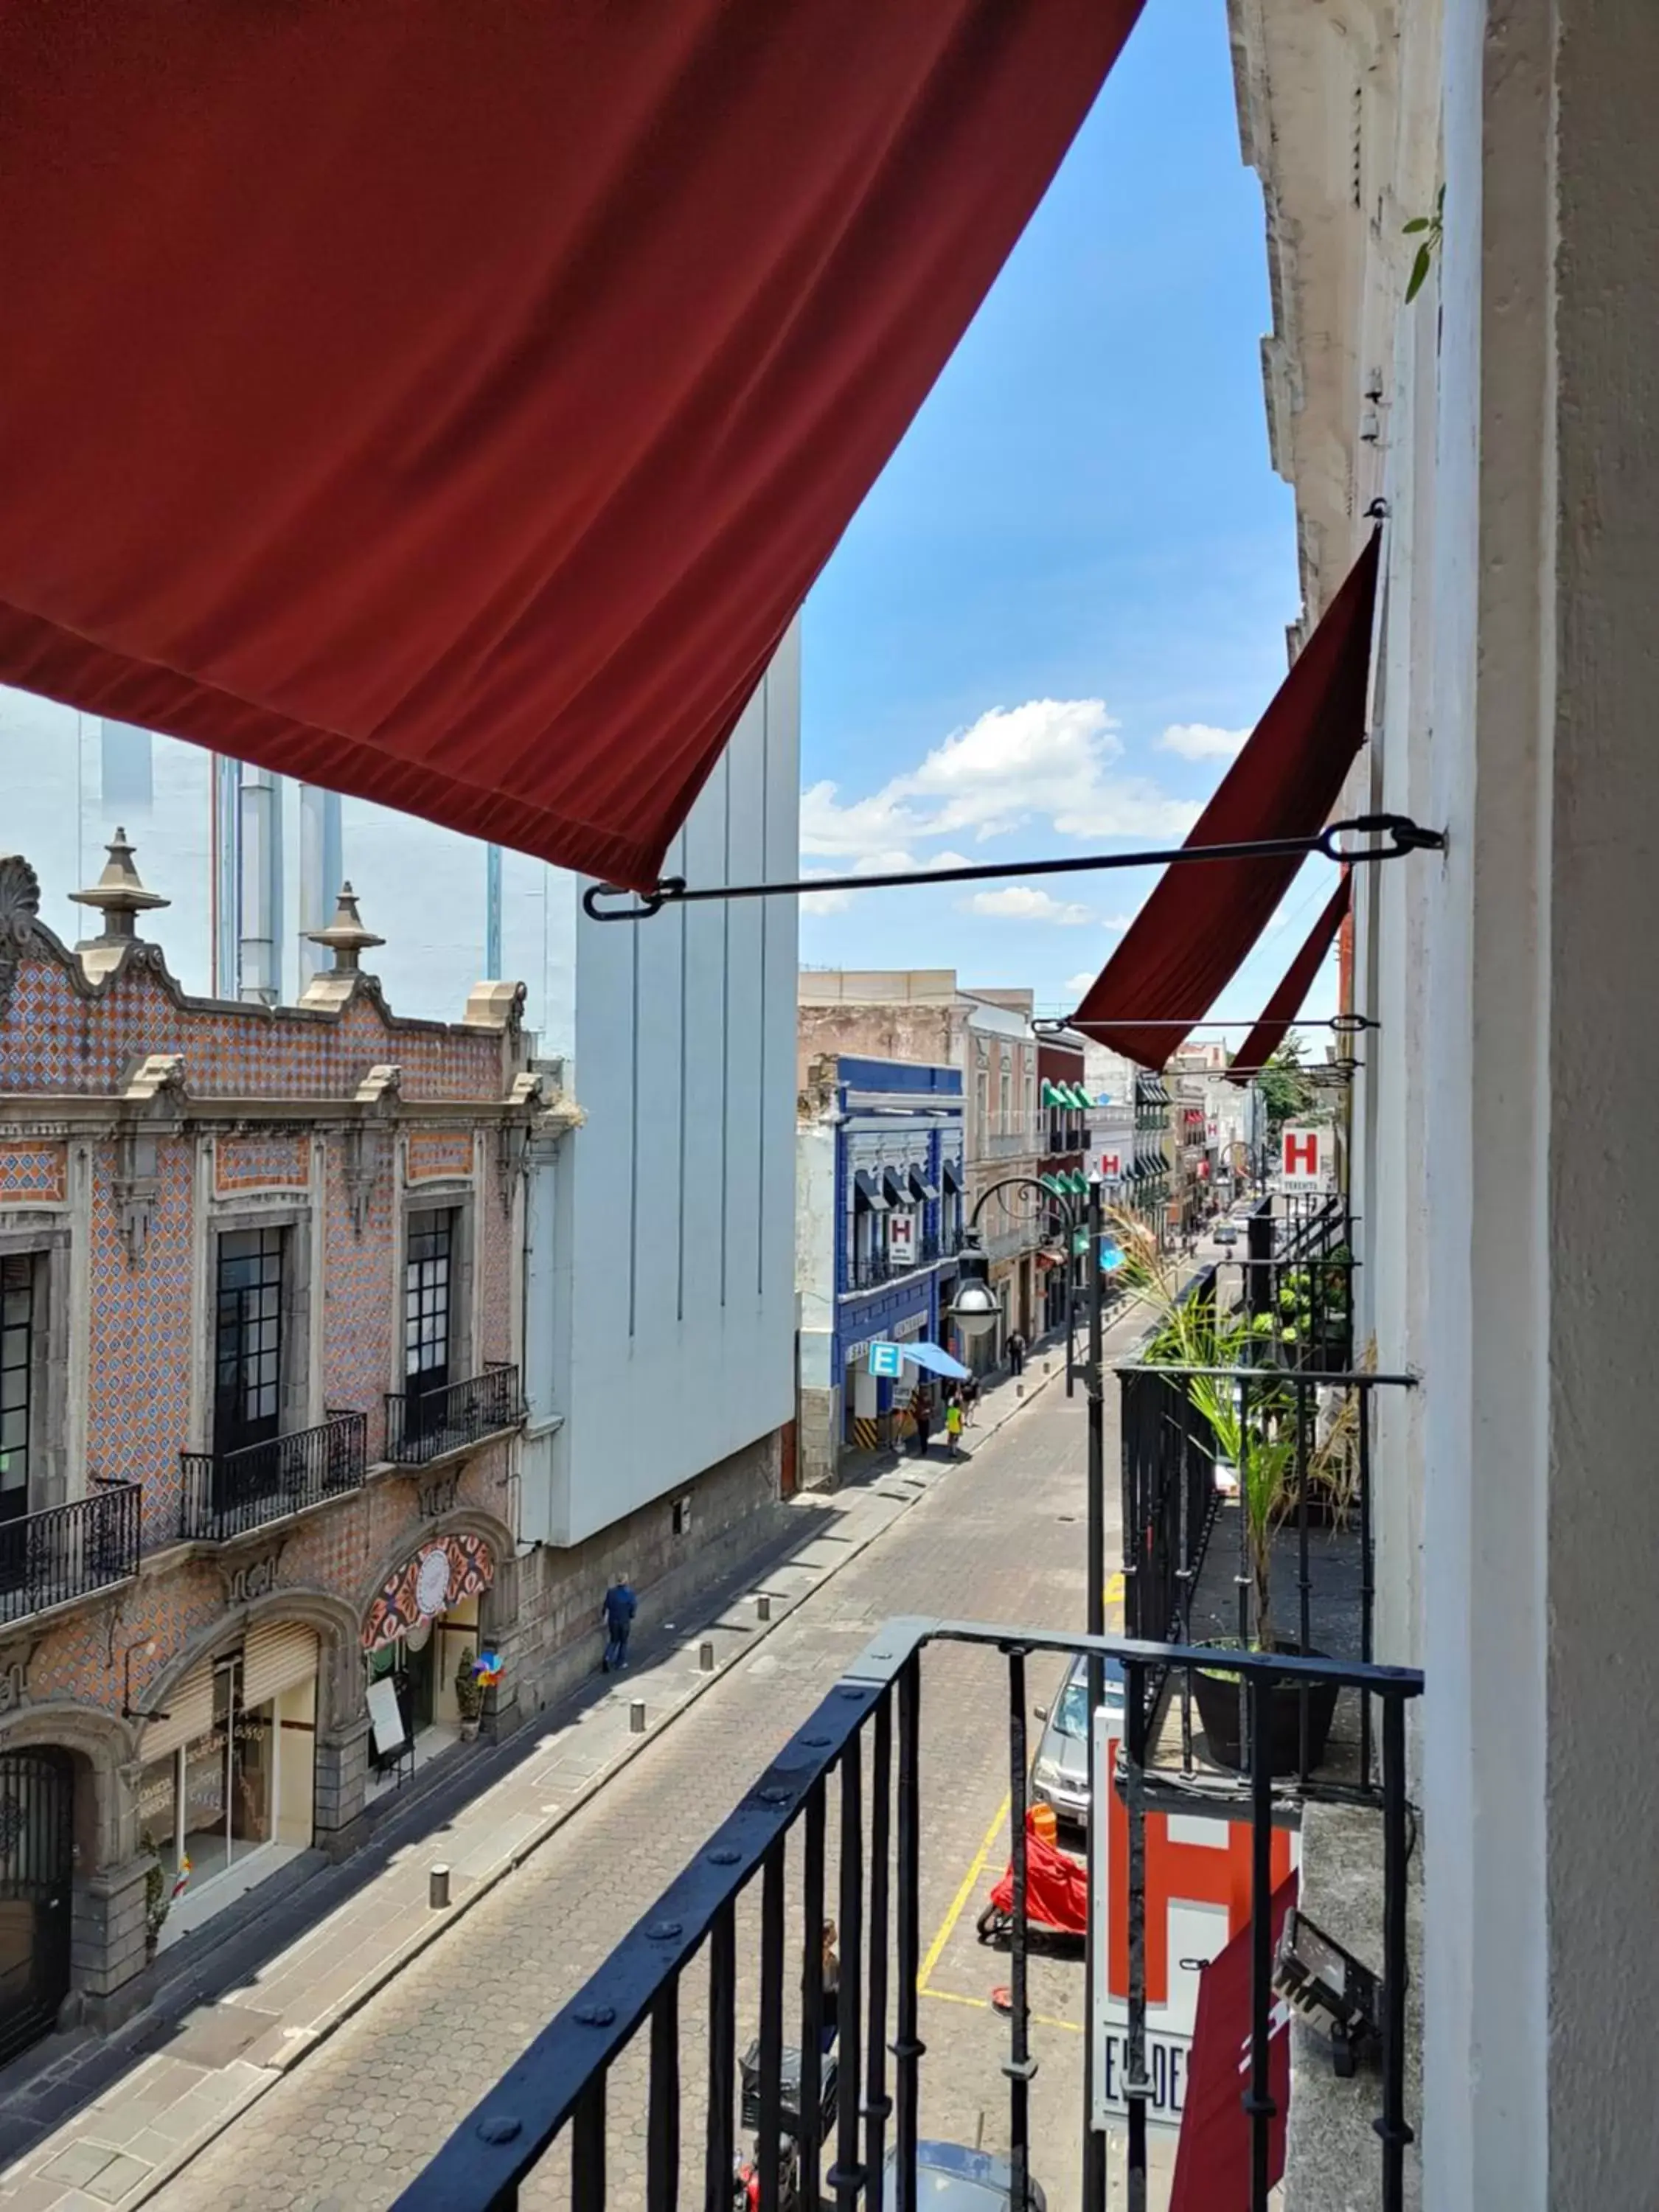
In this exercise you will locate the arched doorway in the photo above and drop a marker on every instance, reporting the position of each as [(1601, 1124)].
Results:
[(37, 1859)]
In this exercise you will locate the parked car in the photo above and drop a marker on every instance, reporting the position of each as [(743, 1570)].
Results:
[(1060, 1772), (950, 2179), (1226, 1233)]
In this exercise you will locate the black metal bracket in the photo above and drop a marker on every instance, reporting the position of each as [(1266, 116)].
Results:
[(673, 891)]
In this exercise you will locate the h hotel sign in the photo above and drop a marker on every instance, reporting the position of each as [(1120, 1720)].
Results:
[(1111, 1167), (1302, 1157), (1198, 1899)]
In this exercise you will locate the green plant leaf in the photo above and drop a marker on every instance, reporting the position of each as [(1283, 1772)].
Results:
[(1421, 223), (1419, 273)]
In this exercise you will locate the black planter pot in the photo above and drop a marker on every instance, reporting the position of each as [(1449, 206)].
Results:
[(1221, 1706)]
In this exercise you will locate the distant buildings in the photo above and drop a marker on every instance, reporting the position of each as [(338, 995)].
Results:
[(880, 1196)]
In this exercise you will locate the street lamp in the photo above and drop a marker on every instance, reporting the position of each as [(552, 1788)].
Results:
[(977, 1309)]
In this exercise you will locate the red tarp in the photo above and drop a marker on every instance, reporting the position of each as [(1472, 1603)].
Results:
[(452, 403), (1213, 2159), (1203, 918), (1286, 1004)]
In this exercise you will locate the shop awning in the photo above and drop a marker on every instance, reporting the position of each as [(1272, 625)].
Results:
[(451, 403), (1286, 1004), (951, 1176), (868, 1196), (935, 1361), (1202, 920), (894, 1187), (920, 1187)]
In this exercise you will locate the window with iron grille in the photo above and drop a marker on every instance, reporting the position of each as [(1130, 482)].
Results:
[(427, 1285), (17, 1333), (248, 1395)]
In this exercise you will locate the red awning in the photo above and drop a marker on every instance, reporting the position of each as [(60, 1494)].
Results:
[(1195, 931), (1286, 1004), (452, 403)]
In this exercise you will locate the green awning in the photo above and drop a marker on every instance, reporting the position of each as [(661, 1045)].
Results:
[(1057, 1184)]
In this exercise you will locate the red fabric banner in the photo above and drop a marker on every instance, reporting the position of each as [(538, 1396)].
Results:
[(452, 403), (1286, 1004), (1213, 2158), (1202, 919)]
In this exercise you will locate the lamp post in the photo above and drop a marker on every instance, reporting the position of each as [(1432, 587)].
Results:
[(975, 1310)]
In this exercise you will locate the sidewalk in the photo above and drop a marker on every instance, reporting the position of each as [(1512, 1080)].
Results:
[(184, 2079)]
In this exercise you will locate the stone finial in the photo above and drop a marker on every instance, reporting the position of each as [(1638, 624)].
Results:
[(120, 896), (20, 905), (345, 936)]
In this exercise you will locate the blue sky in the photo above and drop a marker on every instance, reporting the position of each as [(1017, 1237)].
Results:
[(1072, 582)]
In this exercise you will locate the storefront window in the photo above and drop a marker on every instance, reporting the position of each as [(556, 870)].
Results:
[(211, 1802)]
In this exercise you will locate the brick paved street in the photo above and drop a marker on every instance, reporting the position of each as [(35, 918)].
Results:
[(1001, 1539)]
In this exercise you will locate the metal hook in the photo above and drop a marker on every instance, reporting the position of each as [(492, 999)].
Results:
[(650, 903), (1407, 836)]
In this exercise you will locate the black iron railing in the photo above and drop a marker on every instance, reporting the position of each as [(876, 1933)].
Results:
[(227, 1493), (1247, 1520), (818, 2094), (65, 1551), (421, 1425)]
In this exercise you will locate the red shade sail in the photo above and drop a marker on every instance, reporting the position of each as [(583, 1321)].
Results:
[(1286, 1004), (452, 403), (1195, 931)]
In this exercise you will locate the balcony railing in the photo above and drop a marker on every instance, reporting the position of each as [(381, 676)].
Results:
[(846, 1793), (421, 1425), (227, 1493), (870, 1269), (66, 1551), (1208, 1552)]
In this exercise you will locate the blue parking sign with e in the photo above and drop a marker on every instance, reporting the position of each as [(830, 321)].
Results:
[(886, 1359)]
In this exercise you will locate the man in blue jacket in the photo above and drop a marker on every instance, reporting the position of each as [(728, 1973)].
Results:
[(620, 1607)]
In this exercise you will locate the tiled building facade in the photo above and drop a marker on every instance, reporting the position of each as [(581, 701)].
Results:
[(259, 1276)]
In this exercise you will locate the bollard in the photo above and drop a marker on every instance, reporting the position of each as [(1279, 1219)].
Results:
[(437, 1889), (1019, 1389), (636, 1717), (762, 1606), (706, 1658)]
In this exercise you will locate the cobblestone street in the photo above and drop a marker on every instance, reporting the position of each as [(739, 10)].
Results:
[(999, 1540)]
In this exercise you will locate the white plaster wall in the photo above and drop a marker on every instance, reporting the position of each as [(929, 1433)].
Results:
[(815, 1250)]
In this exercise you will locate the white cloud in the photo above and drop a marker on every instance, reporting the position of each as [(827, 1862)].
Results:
[(1201, 741), (1019, 903), (896, 863), (1077, 985), (1050, 758)]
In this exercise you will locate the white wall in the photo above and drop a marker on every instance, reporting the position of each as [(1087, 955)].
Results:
[(681, 1242), (815, 1249)]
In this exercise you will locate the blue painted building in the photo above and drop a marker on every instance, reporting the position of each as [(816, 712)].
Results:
[(878, 1201)]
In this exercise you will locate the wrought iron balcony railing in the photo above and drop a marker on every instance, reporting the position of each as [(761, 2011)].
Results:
[(66, 1551), (846, 1794), (227, 1493), (421, 1425)]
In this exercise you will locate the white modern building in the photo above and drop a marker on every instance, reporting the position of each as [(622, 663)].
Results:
[(657, 1270)]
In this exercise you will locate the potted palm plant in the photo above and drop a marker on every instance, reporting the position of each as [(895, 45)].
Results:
[(469, 1694), (1253, 1431)]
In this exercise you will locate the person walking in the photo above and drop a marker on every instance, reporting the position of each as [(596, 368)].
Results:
[(619, 1608), (921, 1416), (971, 1401), (953, 1423), (1016, 1354)]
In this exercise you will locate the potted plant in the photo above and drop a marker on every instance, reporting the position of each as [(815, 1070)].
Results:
[(1253, 1428), (157, 1905), (469, 1694)]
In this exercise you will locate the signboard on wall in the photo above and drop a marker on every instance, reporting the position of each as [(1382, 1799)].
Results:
[(901, 1239), (1304, 1155), (1111, 1167), (1198, 1899), (886, 1360)]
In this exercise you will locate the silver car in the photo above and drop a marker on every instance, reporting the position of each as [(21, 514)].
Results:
[(1060, 1772)]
